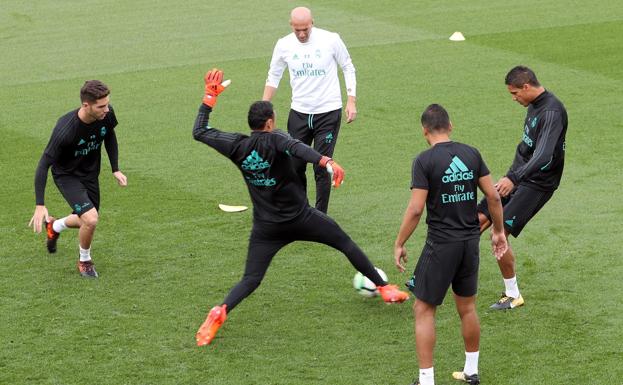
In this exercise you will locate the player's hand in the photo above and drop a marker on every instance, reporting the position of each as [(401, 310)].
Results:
[(499, 244), (41, 214), (504, 186), (336, 173), (214, 85), (351, 110), (122, 180), (400, 257)]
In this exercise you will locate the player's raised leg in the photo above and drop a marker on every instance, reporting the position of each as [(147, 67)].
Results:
[(260, 253), (319, 227), (511, 298)]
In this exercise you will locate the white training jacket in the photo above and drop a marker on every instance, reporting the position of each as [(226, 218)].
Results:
[(313, 70)]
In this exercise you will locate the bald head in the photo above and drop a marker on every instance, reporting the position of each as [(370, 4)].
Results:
[(301, 22), (301, 14)]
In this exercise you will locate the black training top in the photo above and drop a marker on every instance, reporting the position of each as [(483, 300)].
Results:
[(75, 149), (450, 172), (264, 159), (540, 156)]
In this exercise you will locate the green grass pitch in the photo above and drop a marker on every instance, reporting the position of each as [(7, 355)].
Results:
[(165, 253)]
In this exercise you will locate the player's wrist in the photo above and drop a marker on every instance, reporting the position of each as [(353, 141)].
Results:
[(324, 160), (511, 177)]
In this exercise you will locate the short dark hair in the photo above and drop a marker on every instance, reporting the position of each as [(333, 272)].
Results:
[(93, 90), (259, 113), (435, 118), (520, 75)]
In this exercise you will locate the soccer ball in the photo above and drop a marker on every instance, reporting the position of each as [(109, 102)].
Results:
[(364, 286)]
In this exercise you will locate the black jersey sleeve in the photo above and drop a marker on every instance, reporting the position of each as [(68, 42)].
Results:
[(296, 148), (222, 142), (41, 178), (419, 177), (543, 152), (51, 154), (112, 147)]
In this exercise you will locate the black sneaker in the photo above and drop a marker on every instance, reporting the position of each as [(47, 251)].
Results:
[(474, 379), (52, 236), (87, 269)]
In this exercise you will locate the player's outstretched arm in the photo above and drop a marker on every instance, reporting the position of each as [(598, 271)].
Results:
[(222, 142), (214, 85), (498, 237)]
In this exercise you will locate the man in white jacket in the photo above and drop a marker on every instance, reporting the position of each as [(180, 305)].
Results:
[(312, 56)]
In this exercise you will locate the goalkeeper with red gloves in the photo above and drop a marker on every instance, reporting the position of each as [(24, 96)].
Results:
[(281, 212)]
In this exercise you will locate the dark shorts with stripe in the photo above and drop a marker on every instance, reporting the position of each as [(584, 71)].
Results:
[(81, 194), (321, 129), (443, 264), (519, 207)]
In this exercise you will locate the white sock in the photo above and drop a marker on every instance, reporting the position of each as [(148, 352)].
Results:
[(471, 363), (59, 225), (512, 290), (427, 376), (85, 254)]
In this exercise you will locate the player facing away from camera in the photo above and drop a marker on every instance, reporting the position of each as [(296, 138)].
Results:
[(535, 173), (74, 153), (445, 178), (281, 212), (312, 56)]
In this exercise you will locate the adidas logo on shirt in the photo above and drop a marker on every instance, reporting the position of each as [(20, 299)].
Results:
[(254, 162), (457, 171)]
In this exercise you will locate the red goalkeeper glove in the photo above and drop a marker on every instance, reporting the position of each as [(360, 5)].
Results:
[(336, 172), (214, 86)]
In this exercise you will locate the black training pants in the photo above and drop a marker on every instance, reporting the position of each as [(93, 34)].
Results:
[(322, 130), (268, 238)]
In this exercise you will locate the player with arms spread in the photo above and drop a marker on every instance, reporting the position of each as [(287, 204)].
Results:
[(74, 153), (281, 212)]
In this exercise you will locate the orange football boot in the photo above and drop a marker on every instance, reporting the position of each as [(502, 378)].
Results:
[(52, 236), (391, 294), (207, 331)]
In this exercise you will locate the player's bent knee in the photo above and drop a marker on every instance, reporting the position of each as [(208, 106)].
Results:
[(90, 218)]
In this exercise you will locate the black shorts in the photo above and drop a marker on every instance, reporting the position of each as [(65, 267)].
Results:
[(443, 264), (519, 207), (81, 194)]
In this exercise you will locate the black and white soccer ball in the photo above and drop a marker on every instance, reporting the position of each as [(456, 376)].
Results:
[(364, 286)]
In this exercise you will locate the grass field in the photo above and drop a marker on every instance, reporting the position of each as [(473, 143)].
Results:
[(165, 253)]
